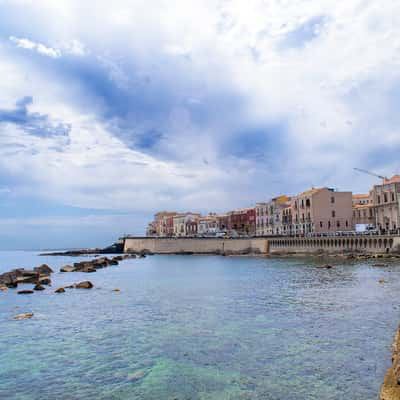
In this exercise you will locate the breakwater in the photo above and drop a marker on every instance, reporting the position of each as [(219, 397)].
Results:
[(391, 386), (264, 245)]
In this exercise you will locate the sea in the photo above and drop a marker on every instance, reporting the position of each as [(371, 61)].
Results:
[(187, 327)]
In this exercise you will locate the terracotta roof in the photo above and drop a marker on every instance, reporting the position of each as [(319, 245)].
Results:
[(311, 191), (362, 205), (393, 179), (360, 196)]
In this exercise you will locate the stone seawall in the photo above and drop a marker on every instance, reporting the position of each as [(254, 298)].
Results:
[(391, 386), (265, 245), (196, 245)]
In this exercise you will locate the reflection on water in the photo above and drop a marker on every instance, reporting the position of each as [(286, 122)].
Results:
[(186, 327)]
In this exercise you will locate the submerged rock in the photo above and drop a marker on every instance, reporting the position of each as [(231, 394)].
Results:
[(3, 287), (23, 316), (25, 292), (379, 265), (116, 290), (67, 268), (38, 287), (60, 290), (44, 281), (382, 280), (84, 285), (43, 269), (135, 376), (325, 266)]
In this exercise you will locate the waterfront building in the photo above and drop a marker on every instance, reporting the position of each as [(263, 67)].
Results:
[(386, 202), (322, 210), (223, 222), (185, 224), (363, 210), (162, 221), (242, 221), (151, 229), (261, 219), (208, 225), (274, 215)]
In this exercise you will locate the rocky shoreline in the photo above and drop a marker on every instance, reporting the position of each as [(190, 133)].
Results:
[(390, 389)]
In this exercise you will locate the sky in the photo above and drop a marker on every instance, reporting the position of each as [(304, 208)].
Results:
[(111, 111)]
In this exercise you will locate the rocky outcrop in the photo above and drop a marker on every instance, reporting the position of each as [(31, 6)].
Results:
[(60, 290), (84, 285), (390, 389), (23, 316), (94, 265), (25, 291), (67, 268), (39, 287), (44, 269), (21, 275)]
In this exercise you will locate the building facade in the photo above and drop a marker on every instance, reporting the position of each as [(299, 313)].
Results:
[(322, 210), (242, 221), (363, 210), (386, 202)]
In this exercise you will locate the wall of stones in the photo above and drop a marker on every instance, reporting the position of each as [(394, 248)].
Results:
[(196, 245), (338, 244)]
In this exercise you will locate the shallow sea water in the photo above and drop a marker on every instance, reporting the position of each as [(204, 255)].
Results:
[(200, 328)]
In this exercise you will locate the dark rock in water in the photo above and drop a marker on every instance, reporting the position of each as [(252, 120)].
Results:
[(135, 376), (9, 278), (38, 287), (44, 269), (67, 268), (12, 284), (44, 281), (23, 316), (325, 266), (25, 292), (118, 258), (3, 287), (84, 285), (60, 290), (142, 255), (28, 279), (88, 269)]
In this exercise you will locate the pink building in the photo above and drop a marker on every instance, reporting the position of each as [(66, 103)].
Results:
[(322, 210)]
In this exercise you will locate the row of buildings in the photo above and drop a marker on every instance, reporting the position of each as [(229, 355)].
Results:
[(315, 211)]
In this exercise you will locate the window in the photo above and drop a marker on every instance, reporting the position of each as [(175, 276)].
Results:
[(385, 197), (308, 203), (379, 199), (302, 203), (333, 214), (332, 199), (338, 224), (392, 196), (347, 223), (329, 224), (320, 224)]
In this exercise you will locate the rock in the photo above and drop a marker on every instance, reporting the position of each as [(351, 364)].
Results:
[(3, 287), (379, 265), (325, 266), (23, 316), (382, 280), (135, 376), (84, 285), (88, 269), (67, 268), (44, 269), (116, 290), (38, 287), (118, 258), (142, 255), (69, 287), (44, 281), (60, 290), (25, 292)]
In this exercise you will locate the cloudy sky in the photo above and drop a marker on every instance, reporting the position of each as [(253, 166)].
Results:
[(110, 111)]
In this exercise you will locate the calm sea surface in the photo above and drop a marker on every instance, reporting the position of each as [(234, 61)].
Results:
[(200, 328)]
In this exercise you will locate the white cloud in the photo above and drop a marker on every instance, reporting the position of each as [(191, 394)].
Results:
[(39, 47)]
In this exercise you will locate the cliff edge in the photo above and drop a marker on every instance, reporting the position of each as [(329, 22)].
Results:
[(390, 389)]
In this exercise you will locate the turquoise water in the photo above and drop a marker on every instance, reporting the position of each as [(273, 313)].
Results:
[(200, 328)]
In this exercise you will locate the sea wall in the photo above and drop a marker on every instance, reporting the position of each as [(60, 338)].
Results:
[(336, 244), (196, 245), (263, 245), (390, 389)]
